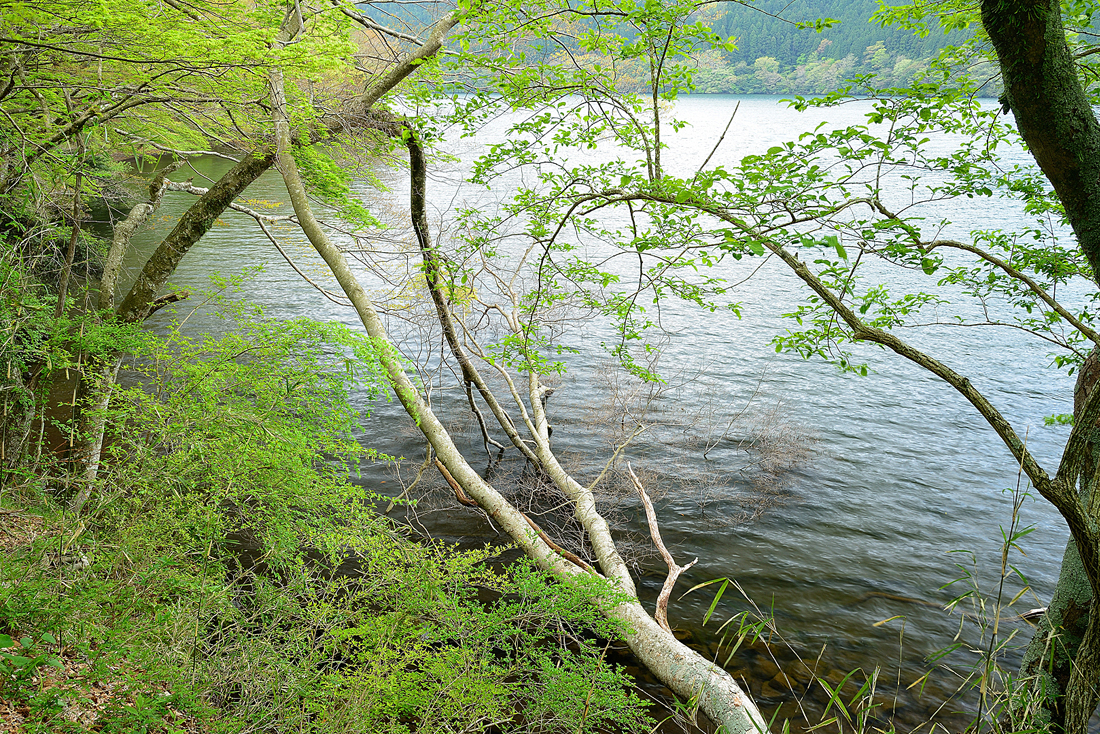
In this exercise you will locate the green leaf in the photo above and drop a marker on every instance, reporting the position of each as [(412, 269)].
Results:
[(756, 248), (835, 242)]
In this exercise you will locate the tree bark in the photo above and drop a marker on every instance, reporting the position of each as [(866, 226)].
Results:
[(1052, 111), (1060, 665), (1049, 658), (195, 222), (124, 231), (1057, 122), (433, 273), (97, 382)]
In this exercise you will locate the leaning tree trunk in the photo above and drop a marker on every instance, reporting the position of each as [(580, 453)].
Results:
[(97, 380), (682, 669), (196, 221), (142, 301)]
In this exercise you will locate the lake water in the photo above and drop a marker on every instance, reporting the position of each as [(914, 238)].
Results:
[(902, 472)]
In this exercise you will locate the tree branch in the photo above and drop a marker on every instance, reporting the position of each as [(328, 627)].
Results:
[(1024, 278), (674, 571)]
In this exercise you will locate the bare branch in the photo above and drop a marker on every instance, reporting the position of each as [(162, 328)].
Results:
[(674, 571)]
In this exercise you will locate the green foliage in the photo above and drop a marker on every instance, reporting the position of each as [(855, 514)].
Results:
[(331, 181), (232, 429), (18, 668), (791, 31), (36, 346), (521, 660), (214, 583)]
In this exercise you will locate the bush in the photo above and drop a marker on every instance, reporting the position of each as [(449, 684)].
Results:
[(198, 590)]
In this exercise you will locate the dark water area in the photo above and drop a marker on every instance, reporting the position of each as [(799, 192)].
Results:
[(902, 489)]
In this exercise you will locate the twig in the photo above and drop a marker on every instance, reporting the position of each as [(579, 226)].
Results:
[(464, 499), (485, 437), (415, 481), (618, 450), (674, 571), (720, 139)]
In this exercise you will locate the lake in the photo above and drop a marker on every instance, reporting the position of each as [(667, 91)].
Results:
[(899, 482)]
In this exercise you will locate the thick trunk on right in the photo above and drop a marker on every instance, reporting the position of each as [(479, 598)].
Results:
[(1056, 647), (1052, 111), (1061, 665), (1055, 118)]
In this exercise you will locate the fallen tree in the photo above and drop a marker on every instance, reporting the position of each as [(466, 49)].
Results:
[(681, 668)]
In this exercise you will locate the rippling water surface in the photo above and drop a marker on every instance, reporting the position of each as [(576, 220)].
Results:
[(903, 472)]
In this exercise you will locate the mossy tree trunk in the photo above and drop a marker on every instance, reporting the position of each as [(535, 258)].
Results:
[(1057, 122)]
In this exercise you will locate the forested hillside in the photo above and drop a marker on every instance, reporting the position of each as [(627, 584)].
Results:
[(769, 28), (774, 51)]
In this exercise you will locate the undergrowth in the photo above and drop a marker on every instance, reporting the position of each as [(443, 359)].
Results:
[(226, 576)]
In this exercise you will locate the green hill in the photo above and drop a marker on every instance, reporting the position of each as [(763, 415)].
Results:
[(760, 34)]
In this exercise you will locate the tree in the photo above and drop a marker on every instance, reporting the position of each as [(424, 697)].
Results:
[(829, 192), (158, 82), (681, 668), (1055, 118), (302, 48), (794, 197)]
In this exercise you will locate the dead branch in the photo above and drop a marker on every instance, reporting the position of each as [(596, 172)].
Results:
[(167, 300), (618, 450), (464, 499), (460, 494), (674, 571)]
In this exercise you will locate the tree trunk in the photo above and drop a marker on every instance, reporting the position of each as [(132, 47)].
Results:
[(1056, 120), (19, 407), (682, 669), (195, 222), (1060, 665), (1052, 112), (1051, 655), (93, 423), (98, 379)]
